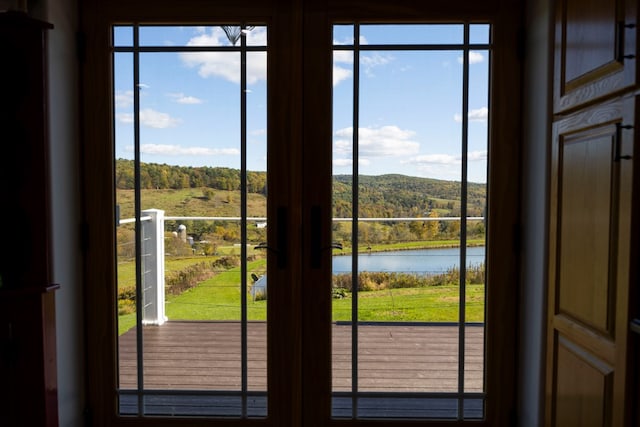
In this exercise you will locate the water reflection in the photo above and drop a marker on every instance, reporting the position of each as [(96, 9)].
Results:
[(420, 261)]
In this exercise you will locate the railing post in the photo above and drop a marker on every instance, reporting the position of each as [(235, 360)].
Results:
[(153, 268)]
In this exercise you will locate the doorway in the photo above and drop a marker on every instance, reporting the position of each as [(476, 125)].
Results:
[(251, 147)]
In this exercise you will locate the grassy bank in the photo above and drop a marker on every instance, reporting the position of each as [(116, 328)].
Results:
[(219, 297), (432, 304), (405, 246)]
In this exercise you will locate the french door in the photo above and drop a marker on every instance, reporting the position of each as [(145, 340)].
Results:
[(236, 143)]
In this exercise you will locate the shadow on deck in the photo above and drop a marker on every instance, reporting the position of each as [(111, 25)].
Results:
[(194, 368)]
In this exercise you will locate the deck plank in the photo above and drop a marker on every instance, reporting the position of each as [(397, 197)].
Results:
[(185, 355)]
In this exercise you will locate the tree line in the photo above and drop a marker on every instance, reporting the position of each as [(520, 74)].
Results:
[(390, 195), (383, 196), (396, 195), (155, 176)]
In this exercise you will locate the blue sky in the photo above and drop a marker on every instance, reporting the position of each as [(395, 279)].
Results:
[(410, 102)]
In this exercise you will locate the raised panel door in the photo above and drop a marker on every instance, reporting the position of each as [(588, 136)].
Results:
[(590, 217), (595, 50)]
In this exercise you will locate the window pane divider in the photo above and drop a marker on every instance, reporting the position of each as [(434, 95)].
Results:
[(138, 224), (355, 224), (243, 221), (179, 49), (416, 47), (462, 305)]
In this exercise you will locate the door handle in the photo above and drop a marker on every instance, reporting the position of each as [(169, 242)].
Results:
[(281, 250), (621, 55), (618, 143), (316, 238), (634, 326)]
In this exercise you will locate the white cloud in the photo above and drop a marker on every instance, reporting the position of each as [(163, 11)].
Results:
[(340, 74), (436, 159), (447, 166), (124, 117), (474, 58), (226, 64), (477, 115), (177, 150), (341, 163), (151, 118), (181, 98), (474, 156), (343, 56), (437, 171), (124, 99), (347, 41), (368, 61), (377, 142), (372, 60), (447, 159)]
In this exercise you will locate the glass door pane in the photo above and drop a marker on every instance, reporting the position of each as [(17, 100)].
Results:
[(190, 167), (410, 114)]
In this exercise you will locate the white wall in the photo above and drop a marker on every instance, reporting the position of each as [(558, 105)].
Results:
[(65, 157), (536, 129)]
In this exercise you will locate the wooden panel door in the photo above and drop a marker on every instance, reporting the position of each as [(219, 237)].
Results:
[(329, 400), (591, 183), (595, 51), (299, 166)]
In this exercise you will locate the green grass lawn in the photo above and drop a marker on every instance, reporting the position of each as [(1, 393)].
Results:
[(430, 304), (218, 298)]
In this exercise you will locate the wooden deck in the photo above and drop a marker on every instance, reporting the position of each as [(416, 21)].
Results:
[(391, 357)]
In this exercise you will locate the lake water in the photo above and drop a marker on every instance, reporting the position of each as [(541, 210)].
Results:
[(421, 261)]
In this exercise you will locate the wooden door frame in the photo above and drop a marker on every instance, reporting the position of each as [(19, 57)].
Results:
[(303, 38), (503, 184), (284, 52)]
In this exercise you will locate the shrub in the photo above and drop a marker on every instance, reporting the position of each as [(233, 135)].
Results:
[(339, 293), (407, 281), (226, 262), (342, 281), (127, 293), (179, 281), (126, 306), (476, 274), (375, 281), (260, 296)]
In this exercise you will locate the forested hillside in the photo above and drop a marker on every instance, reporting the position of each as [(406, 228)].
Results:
[(215, 192), (154, 176), (405, 196), (379, 196)]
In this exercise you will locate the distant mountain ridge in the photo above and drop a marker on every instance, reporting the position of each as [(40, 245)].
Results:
[(391, 195), (410, 196)]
